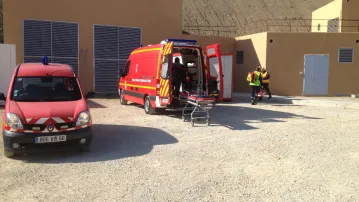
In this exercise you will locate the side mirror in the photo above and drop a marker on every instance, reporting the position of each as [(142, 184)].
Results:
[(2, 97), (120, 73)]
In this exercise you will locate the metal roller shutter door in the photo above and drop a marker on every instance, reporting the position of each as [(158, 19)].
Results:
[(57, 40), (112, 46)]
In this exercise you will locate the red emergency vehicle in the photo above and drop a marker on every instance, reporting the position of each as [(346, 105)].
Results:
[(45, 109), (146, 78)]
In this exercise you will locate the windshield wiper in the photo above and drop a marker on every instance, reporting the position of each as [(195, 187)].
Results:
[(38, 100)]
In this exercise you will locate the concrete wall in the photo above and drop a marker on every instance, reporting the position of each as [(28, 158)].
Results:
[(285, 61), (325, 13), (255, 53)]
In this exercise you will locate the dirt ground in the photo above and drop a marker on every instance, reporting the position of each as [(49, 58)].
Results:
[(268, 152)]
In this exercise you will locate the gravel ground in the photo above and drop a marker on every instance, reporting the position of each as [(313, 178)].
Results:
[(268, 152)]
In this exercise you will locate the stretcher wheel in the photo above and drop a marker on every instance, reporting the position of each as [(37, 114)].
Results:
[(192, 122), (184, 118), (208, 122)]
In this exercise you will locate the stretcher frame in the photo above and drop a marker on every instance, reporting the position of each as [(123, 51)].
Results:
[(198, 105)]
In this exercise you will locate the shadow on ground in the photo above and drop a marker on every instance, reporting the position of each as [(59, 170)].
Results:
[(93, 104), (246, 98), (110, 142), (239, 117)]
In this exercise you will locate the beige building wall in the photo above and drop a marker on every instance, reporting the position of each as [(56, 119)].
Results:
[(254, 48), (351, 12), (321, 16), (285, 61), (155, 21), (227, 44)]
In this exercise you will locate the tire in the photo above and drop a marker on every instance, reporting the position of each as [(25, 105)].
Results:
[(122, 99), (148, 107), (8, 154)]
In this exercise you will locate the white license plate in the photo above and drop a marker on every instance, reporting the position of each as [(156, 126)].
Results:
[(47, 139)]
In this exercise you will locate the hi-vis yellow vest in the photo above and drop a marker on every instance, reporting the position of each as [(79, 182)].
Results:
[(256, 81), (264, 80)]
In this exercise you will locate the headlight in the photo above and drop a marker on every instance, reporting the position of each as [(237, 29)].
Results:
[(14, 121), (83, 118)]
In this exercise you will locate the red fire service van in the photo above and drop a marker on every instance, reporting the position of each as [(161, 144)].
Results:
[(45, 109), (147, 77)]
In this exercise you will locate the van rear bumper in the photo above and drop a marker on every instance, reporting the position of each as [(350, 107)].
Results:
[(27, 140)]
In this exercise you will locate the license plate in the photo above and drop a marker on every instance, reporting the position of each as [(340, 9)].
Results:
[(47, 139)]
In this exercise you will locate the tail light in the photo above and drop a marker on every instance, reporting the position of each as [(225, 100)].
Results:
[(158, 86)]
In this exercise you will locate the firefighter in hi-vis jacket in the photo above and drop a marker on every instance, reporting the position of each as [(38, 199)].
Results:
[(265, 82)]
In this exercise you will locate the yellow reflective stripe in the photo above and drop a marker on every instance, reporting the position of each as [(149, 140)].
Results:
[(138, 86), (167, 49), (146, 50), (166, 88)]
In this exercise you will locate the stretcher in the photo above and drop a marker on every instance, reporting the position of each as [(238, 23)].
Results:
[(197, 106)]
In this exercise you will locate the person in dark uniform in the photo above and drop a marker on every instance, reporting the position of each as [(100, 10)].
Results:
[(178, 76)]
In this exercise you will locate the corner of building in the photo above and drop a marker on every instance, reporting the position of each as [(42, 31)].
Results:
[(251, 52), (326, 15)]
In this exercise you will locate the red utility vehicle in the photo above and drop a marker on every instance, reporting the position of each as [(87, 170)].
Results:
[(147, 76), (45, 110)]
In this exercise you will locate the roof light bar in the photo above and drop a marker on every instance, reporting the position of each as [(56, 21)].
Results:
[(45, 60), (185, 41)]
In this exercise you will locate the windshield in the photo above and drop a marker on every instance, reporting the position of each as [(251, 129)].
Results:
[(45, 89)]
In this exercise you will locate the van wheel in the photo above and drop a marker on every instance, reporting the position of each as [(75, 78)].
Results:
[(8, 154), (148, 108), (122, 98)]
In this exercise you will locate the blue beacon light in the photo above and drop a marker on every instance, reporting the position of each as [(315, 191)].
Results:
[(182, 41), (45, 60)]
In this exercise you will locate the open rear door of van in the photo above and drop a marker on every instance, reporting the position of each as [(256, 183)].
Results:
[(165, 84), (215, 71)]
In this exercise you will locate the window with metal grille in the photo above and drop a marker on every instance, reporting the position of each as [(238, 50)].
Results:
[(112, 47), (57, 40), (346, 55), (240, 57)]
